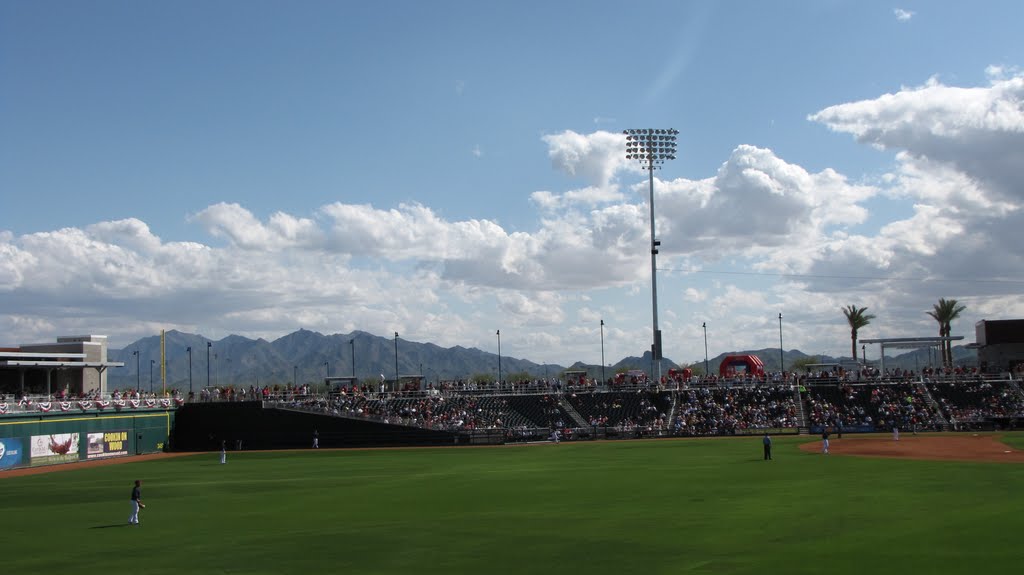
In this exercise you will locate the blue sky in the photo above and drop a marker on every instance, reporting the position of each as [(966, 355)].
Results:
[(446, 169)]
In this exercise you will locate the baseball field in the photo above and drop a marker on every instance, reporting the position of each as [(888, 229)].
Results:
[(666, 506)]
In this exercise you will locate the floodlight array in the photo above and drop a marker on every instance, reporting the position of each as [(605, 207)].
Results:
[(651, 146)]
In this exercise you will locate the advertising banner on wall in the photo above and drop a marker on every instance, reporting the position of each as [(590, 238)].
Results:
[(54, 448), (107, 444), (10, 452)]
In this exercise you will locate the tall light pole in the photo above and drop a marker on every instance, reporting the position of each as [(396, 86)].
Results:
[(706, 372), (396, 361), (352, 343), (209, 345), (152, 362), (189, 350), (864, 354), (138, 372), (782, 360), (499, 358), (651, 147), (603, 380)]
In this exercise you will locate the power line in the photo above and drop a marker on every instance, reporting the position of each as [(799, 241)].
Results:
[(844, 277)]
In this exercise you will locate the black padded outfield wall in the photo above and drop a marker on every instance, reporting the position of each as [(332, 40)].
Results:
[(246, 424)]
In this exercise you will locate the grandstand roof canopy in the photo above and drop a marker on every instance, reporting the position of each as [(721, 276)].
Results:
[(911, 342), (51, 359)]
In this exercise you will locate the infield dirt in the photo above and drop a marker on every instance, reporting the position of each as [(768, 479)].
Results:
[(960, 447)]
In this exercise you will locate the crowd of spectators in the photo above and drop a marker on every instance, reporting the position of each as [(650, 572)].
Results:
[(441, 411), (253, 393), (975, 400), (880, 407), (862, 400), (622, 408), (717, 411)]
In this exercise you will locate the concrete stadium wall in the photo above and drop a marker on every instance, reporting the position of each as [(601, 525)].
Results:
[(50, 439), (203, 426)]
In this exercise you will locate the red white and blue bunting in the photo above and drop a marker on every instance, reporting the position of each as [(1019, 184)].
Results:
[(87, 404)]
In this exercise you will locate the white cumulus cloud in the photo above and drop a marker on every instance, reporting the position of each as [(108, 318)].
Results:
[(903, 15)]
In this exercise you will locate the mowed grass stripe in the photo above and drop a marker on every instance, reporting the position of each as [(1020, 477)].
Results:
[(691, 506)]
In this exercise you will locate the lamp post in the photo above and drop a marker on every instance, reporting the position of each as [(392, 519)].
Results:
[(396, 361), (152, 362), (138, 372), (499, 358), (705, 326), (651, 147), (189, 350), (782, 361), (209, 345), (864, 354), (352, 343), (603, 380)]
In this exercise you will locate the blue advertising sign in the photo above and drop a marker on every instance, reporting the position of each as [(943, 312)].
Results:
[(10, 452)]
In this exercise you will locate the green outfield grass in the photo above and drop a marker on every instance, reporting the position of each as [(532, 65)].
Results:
[(672, 506)]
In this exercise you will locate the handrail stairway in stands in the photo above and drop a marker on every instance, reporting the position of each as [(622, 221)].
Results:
[(575, 415), (805, 425), (935, 405)]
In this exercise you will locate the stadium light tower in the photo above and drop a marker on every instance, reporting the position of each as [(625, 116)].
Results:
[(209, 345), (352, 343), (138, 385), (499, 358), (705, 326), (189, 350), (782, 353), (651, 147)]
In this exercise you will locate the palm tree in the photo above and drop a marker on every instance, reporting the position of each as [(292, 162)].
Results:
[(945, 312), (857, 319)]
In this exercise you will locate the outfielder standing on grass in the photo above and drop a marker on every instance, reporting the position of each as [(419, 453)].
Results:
[(137, 504)]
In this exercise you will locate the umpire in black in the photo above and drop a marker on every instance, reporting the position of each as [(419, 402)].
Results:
[(767, 446)]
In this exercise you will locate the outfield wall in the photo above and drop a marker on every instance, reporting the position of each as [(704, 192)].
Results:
[(203, 426), (50, 439)]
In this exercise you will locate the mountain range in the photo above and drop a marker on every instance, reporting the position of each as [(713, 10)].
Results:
[(307, 356)]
